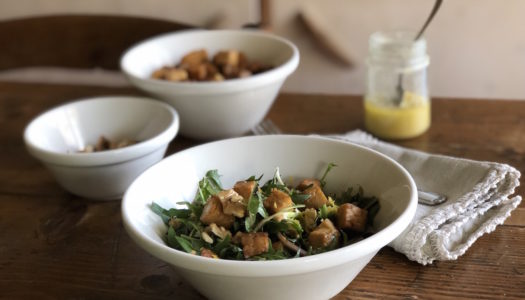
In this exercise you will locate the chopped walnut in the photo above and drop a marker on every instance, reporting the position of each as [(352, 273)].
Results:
[(208, 253), (218, 231)]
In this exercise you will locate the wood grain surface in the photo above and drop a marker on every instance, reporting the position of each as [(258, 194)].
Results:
[(54, 245)]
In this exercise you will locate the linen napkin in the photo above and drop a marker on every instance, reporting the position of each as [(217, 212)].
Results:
[(480, 197)]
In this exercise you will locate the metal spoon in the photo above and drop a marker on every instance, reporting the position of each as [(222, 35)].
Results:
[(399, 88)]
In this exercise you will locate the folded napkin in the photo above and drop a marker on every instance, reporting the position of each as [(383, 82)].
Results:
[(479, 198)]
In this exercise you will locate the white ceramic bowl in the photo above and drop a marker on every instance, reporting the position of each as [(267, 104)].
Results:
[(56, 136), (313, 277), (213, 110)]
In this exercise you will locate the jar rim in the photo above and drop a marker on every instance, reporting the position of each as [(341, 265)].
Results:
[(398, 48)]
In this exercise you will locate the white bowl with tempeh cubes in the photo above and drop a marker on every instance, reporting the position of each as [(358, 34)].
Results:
[(222, 82), (267, 264)]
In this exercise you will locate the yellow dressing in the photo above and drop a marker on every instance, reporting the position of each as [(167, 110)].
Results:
[(410, 119)]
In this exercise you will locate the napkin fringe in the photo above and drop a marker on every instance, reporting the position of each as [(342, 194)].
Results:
[(429, 238), (446, 232)]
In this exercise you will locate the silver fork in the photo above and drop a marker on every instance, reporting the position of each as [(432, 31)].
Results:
[(268, 127)]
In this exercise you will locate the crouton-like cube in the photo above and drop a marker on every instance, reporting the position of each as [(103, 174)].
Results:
[(236, 239), (175, 74), (102, 144), (232, 203), (324, 235), (217, 77), (257, 67), (198, 72), (208, 253), (306, 183), (211, 71), (212, 213), (351, 217), (277, 201), (160, 73), (317, 197), (254, 243), (243, 73), (194, 58), (245, 188), (230, 71), (229, 57)]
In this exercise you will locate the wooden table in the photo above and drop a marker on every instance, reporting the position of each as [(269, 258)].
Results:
[(54, 245)]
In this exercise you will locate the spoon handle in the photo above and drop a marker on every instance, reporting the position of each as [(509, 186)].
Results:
[(435, 9), (430, 198)]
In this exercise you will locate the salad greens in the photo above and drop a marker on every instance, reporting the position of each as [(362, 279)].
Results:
[(268, 221)]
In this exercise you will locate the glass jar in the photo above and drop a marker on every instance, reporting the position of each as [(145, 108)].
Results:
[(397, 104)]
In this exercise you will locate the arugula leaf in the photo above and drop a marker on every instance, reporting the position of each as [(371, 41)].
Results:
[(328, 168), (372, 212), (195, 208), (172, 241), (260, 208), (159, 210), (166, 215), (185, 244), (255, 206), (191, 225), (299, 198), (252, 178), (222, 244), (275, 183), (274, 227), (283, 226), (231, 251), (271, 254), (208, 186)]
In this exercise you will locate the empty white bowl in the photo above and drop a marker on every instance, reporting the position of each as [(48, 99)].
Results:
[(213, 110), (319, 276), (56, 137)]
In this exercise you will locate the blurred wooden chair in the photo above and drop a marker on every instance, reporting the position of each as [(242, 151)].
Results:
[(74, 41)]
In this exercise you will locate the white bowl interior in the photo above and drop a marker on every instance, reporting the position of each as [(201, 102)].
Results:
[(168, 49), (71, 127)]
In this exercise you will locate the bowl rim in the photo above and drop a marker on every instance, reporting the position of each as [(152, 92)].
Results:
[(207, 87), (108, 157), (284, 267)]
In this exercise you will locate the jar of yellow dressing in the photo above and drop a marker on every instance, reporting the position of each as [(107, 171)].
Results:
[(397, 104)]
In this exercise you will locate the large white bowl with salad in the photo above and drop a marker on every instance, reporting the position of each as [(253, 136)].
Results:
[(270, 217)]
